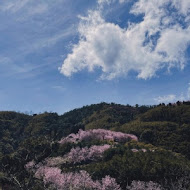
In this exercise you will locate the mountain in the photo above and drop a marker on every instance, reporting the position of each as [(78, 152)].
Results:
[(113, 146)]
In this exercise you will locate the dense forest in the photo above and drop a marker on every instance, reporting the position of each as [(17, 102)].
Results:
[(97, 147)]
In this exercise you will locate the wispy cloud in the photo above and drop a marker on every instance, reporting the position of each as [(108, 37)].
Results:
[(39, 29), (26, 7), (4, 60), (171, 98), (101, 2), (159, 41), (59, 88), (48, 41), (166, 99), (13, 6), (188, 92), (9, 68)]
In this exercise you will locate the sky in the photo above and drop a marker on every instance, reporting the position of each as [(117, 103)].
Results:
[(60, 55)]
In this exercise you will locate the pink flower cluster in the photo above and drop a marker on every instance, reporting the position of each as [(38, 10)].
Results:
[(141, 185), (30, 166), (98, 134), (74, 181), (77, 155), (137, 150)]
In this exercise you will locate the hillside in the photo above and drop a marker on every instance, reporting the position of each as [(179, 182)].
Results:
[(113, 146)]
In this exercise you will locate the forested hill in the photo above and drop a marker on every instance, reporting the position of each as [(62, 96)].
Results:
[(129, 146)]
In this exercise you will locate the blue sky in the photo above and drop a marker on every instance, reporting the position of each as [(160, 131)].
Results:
[(63, 54)]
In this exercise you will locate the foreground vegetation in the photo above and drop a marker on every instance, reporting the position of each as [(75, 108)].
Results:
[(155, 156)]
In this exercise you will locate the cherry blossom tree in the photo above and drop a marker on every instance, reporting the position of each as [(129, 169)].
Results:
[(109, 183), (98, 134), (75, 181), (141, 185), (78, 155)]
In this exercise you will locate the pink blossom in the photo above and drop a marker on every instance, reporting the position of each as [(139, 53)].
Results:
[(30, 165), (134, 150), (75, 181), (144, 150), (77, 155), (141, 185), (109, 183), (98, 134)]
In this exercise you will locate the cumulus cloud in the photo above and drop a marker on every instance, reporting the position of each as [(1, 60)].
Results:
[(183, 6), (159, 41)]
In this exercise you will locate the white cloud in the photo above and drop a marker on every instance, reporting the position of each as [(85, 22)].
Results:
[(4, 60), (100, 2), (171, 98), (188, 92), (182, 5), (166, 99), (47, 41), (13, 6), (37, 9), (8, 68), (59, 88), (159, 41), (26, 7)]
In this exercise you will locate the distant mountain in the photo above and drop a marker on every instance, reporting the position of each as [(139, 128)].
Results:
[(100, 144)]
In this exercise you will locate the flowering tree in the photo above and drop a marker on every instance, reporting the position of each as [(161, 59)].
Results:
[(51, 174), (78, 155), (75, 181), (141, 185), (98, 134), (109, 183)]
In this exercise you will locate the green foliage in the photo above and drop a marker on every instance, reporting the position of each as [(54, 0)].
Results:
[(169, 135), (126, 166), (111, 116), (175, 113)]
